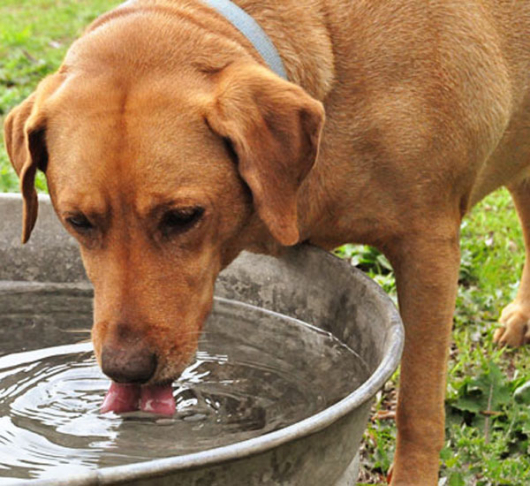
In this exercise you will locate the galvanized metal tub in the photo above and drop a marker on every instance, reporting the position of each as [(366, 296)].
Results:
[(306, 283)]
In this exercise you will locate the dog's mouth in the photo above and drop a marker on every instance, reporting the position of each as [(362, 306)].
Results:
[(122, 398)]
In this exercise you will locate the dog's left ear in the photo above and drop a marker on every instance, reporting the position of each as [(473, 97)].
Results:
[(274, 127)]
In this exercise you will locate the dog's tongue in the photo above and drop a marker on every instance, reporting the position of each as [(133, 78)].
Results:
[(158, 399), (129, 398), (121, 398)]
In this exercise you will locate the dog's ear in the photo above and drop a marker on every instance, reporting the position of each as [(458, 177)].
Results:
[(274, 127), (24, 131)]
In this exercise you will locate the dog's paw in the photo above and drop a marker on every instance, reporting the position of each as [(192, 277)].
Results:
[(515, 330)]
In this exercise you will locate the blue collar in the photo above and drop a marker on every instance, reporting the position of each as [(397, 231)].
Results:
[(252, 31)]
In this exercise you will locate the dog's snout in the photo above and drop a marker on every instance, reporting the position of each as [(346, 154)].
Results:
[(128, 364)]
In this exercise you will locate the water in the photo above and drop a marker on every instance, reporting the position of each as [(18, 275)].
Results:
[(253, 373)]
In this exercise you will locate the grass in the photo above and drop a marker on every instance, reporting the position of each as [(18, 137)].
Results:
[(488, 398)]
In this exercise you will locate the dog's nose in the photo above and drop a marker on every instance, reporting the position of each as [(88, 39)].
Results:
[(134, 364)]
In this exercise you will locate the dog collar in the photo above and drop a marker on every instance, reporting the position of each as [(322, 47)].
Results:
[(252, 31)]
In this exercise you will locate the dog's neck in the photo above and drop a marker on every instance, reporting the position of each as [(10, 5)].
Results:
[(252, 31), (307, 52)]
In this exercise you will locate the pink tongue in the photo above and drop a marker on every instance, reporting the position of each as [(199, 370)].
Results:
[(121, 398), (158, 399), (129, 398)]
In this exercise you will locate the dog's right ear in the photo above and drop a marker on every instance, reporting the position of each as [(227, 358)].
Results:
[(24, 131)]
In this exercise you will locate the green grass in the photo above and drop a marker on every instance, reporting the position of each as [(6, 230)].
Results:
[(488, 421)]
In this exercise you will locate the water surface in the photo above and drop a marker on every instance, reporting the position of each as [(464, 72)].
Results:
[(253, 373)]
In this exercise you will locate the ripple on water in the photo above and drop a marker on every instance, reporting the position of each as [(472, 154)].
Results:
[(252, 374)]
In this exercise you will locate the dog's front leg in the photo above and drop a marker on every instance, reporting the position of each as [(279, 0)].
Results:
[(426, 267)]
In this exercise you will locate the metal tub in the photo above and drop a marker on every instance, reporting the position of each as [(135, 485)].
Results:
[(306, 283)]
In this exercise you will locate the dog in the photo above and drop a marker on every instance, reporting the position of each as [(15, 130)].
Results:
[(170, 145)]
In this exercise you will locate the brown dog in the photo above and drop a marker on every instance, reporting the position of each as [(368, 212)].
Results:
[(169, 147)]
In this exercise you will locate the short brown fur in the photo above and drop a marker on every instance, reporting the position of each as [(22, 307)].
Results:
[(162, 105)]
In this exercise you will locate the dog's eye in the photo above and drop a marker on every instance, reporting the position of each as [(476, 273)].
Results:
[(79, 222), (180, 220)]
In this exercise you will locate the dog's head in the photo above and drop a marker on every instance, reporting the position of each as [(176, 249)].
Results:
[(163, 179)]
